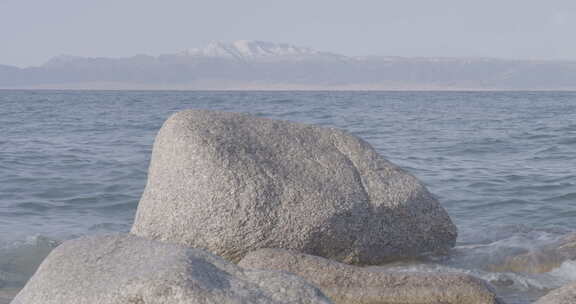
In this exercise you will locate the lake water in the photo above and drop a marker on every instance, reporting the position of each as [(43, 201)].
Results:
[(502, 163)]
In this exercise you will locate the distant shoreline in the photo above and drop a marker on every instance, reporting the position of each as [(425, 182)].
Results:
[(286, 88), (265, 66)]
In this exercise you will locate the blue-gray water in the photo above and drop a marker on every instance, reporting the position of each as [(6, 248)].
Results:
[(502, 163)]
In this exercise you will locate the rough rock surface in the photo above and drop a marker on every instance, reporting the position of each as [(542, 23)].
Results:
[(347, 284), (232, 183), (123, 269), (563, 295)]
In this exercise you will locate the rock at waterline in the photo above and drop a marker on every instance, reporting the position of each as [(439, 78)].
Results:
[(347, 284), (233, 183), (540, 260), (563, 295), (119, 269)]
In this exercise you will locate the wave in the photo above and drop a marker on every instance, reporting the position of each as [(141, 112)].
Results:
[(19, 259)]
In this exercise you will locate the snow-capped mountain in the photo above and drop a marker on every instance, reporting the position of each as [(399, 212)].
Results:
[(261, 65), (258, 50)]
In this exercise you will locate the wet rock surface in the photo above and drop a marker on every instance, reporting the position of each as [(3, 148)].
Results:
[(348, 284), (563, 295), (541, 260)]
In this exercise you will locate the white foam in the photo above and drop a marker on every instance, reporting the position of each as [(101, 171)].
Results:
[(566, 271)]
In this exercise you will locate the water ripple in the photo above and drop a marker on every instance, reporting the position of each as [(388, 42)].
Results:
[(75, 162)]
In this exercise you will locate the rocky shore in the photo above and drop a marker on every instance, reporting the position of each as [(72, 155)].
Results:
[(242, 209), (351, 284)]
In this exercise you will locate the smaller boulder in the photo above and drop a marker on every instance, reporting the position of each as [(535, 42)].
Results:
[(563, 295), (120, 269), (348, 284)]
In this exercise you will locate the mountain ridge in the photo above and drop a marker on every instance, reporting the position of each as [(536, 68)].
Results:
[(256, 49), (254, 64)]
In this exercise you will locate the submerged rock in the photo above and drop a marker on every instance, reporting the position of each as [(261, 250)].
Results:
[(541, 260), (233, 183), (563, 295), (19, 262), (119, 269), (7, 294), (346, 284)]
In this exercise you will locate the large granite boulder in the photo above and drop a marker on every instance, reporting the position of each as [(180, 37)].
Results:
[(563, 295), (120, 269), (347, 284), (233, 183)]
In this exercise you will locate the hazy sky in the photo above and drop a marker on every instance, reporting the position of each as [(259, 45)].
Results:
[(32, 31)]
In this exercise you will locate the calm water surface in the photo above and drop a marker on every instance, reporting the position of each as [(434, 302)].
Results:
[(502, 163)]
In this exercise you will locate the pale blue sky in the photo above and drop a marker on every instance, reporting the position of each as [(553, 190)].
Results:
[(32, 31)]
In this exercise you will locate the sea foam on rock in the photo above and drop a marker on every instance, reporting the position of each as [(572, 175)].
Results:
[(119, 269), (347, 284), (233, 183)]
